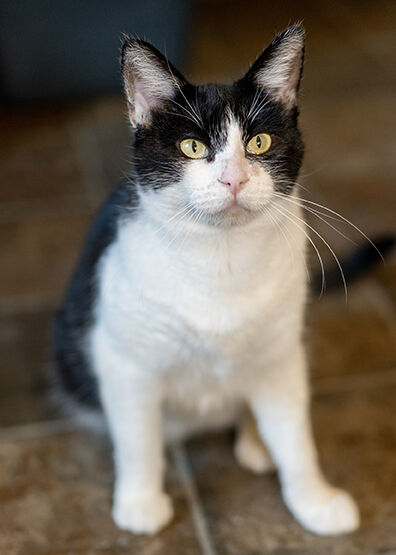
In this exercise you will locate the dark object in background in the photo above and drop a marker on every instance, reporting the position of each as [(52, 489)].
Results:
[(70, 48)]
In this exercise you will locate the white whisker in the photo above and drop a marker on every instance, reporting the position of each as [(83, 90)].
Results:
[(193, 112), (323, 288), (344, 220), (278, 227), (327, 245), (315, 213)]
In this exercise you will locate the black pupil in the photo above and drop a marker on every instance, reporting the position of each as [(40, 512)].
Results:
[(194, 147), (258, 141)]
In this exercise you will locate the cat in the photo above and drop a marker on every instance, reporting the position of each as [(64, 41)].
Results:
[(186, 311)]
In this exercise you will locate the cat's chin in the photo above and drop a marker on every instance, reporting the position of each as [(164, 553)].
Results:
[(233, 215)]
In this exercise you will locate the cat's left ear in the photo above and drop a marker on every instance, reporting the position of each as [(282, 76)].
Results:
[(149, 79), (279, 68)]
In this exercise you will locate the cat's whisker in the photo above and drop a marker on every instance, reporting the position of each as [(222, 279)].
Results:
[(193, 112), (327, 245), (317, 214), (323, 287), (180, 115), (315, 210), (189, 116), (305, 174), (334, 212), (302, 255), (189, 212), (290, 183), (169, 220), (197, 106), (266, 100), (265, 210), (256, 99), (175, 219), (196, 217)]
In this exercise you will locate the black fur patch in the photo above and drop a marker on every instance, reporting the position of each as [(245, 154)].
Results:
[(76, 314)]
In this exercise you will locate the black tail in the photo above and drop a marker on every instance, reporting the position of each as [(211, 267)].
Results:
[(355, 264)]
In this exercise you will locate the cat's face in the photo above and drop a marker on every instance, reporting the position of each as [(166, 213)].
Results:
[(213, 153)]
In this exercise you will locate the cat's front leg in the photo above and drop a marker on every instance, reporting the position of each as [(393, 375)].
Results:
[(132, 404), (281, 406)]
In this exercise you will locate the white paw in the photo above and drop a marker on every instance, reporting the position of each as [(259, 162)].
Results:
[(252, 455), (142, 514), (324, 510)]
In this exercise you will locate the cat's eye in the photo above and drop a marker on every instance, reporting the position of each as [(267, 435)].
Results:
[(192, 148), (259, 144)]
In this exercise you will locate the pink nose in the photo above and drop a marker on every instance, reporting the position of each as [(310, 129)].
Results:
[(234, 176)]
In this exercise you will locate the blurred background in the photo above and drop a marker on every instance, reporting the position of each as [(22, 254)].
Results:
[(65, 143)]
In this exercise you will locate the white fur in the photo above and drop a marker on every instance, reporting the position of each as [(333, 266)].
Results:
[(249, 449), (195, 322)]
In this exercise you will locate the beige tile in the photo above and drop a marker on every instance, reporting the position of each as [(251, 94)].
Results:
[(25, 368), (352, 338), (55, 496), (24, 344), (357, 438)]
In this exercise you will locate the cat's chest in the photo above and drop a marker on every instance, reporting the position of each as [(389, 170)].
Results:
[(211, 308), (215, 285)]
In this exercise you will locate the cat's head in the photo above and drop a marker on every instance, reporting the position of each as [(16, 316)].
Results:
[(215, 153)]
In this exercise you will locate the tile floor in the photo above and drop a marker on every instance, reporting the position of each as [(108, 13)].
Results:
[(57, 164)]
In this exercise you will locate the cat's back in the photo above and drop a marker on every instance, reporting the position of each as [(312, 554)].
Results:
[(75, 318)]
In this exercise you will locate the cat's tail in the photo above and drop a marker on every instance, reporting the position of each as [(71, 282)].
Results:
[(355, 264)]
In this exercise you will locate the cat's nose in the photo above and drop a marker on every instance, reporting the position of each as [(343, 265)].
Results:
[(234, 176)]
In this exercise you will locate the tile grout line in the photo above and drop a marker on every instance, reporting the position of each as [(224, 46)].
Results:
[(347, 383), (27, 304), (191, 493), (35, 430)]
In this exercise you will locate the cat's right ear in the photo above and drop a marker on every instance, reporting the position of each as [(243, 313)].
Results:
[(149, 79)]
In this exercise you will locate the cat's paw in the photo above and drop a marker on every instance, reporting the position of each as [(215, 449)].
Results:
[(142, 514), (252, 455), (324, 510)]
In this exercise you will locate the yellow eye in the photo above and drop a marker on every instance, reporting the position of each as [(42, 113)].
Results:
[(259, 144), (192, 148)]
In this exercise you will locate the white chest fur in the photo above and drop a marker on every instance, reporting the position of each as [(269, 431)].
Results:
[(201, 305)]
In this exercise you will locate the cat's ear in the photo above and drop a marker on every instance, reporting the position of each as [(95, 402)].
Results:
[(149, 79), (279, 68)]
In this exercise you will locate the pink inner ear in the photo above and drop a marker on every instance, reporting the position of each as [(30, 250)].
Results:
[(145, 96), (141, 104)]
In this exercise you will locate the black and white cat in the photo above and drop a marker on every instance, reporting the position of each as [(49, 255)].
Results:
[(186, 311)]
